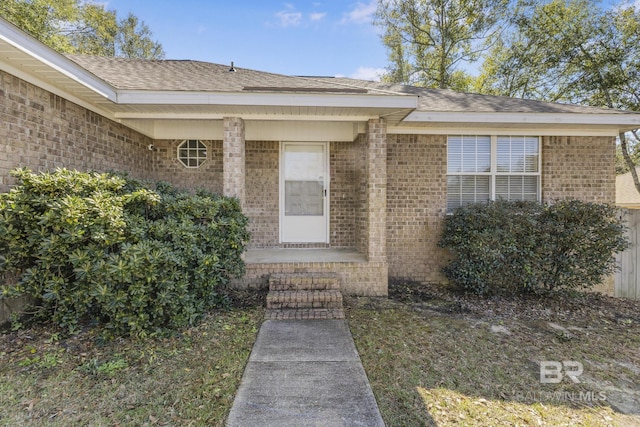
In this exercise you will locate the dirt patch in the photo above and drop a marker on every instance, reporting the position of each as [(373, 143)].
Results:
[(246, 298), (578, 307)]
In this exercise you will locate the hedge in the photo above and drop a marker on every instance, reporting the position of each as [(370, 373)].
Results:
[(138, 258), (505, 247)]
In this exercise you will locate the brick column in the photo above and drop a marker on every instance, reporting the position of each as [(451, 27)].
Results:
[(233, 158), (376, 185)]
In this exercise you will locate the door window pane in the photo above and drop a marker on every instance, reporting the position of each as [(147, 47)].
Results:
[(303, 198), (304, 180)]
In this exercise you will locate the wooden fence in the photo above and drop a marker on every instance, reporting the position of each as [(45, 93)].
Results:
[(627, 280)]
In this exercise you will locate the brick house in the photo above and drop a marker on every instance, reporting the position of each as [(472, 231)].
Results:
[(336, 175)]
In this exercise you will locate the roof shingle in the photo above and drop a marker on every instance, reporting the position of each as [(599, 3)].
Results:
[(195, 76), (452, 101), (198, 76)]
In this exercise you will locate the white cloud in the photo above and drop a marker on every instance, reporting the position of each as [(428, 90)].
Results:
[(626, 4), (317, 16), (368, 73), (361, 14), (289, 17)]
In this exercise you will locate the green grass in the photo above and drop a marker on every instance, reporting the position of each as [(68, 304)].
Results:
[(440, 364), (431, 358), (187, 380)]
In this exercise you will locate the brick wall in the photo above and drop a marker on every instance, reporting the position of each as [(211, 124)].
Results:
[(234, 153), (42, 131), (357, 278), (361, 227), (167, 167), (376, 190), (572, 167), (416, 206), (579, 168), (262, 203), (343, 195), (262, 192)]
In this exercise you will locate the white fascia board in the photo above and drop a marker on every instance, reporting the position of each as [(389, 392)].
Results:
[(25, 43), (623, 120), (218, 116), (494, 129), (136, 97)]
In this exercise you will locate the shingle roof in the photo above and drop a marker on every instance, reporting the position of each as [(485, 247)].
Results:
[(197, 76), (449, 100)]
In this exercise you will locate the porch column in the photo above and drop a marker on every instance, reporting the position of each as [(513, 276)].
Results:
[(376, 185), (233, 155)]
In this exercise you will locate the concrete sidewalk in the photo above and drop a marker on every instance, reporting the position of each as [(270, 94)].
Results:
[(304, 373)]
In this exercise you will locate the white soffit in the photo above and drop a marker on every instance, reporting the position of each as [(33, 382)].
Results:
[(29, 53), (302, 131)]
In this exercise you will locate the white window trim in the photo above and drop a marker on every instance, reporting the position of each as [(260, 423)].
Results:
[(186, 141), (494, 166)]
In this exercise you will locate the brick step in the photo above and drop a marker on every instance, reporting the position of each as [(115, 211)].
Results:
[(304, 299), (304, 314), (304, 281)]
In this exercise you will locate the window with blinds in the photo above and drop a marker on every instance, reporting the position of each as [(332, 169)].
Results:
[(483, 168)]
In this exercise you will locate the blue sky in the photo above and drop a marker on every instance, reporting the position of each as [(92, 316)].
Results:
[(328, 38)]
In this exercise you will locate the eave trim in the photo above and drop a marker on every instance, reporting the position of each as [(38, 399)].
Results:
[(20, 40), (136, 97), (621, 119)]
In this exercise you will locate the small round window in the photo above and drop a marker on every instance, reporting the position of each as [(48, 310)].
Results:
[(192, 153)]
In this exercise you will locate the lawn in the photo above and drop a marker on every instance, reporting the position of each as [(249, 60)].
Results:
[(189, 379), (438, 358), (433, 358)]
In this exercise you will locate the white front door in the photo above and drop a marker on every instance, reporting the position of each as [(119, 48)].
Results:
[(303, 193)]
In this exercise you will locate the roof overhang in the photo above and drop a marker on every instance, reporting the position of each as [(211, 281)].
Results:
[(259, 106), (27, 58), (601, 123), (30, 55)]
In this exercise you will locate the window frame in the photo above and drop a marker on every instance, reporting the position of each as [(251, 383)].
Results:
[(493, 170), (200, 160)]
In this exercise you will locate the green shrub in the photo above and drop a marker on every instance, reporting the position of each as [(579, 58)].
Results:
[(109, 248), (504, 247)]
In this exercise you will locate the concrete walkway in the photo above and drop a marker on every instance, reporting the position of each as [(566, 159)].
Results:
[(304, 373)]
